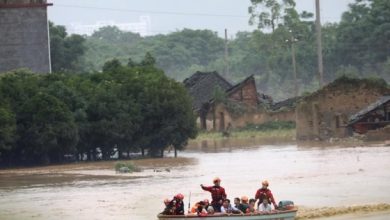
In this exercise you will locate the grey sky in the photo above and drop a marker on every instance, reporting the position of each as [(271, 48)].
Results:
[(177, 14)]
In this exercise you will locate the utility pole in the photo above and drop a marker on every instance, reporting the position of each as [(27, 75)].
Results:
[(292, 41), (294, 64), (319, 44), (226, 73)]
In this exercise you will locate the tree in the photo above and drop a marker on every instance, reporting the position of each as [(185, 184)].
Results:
[(65, 50), (47, 130), (7, 130), (148, 60), (111, 65), (113, 34), (363, 33), (268, 13)]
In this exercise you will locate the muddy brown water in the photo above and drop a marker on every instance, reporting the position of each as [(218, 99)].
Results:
[(313, 177)]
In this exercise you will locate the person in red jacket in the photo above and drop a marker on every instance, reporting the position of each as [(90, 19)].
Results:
[(176, 205), (217, 194), (264, 193)]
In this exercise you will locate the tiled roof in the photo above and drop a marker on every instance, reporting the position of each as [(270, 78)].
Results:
[(288, 103), (356, 117), (201, 86)]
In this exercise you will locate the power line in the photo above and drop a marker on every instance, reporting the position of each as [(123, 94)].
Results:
[(154, 12)]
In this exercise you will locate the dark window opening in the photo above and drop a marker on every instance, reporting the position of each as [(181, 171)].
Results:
[(337, 121)]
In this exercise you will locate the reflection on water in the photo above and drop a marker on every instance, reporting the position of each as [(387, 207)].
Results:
[(312, 177)]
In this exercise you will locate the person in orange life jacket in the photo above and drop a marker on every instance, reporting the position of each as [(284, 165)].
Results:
[(217, 194), (251, 208), (177, 204), (265, 193)]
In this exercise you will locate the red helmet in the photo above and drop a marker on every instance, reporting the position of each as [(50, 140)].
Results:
[(179, 196), (265, 183), (216, 179)]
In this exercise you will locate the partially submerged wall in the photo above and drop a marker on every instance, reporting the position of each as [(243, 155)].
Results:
[(224, 118)]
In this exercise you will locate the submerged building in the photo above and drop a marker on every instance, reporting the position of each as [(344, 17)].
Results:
[(24, 35)]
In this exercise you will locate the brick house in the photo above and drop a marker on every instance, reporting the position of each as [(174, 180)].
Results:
[(325, 113), (239, 104), (373, 119)]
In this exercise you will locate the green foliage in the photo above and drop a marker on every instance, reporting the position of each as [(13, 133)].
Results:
[(66, 51), (46, 128), (235, 108), (356, 46), (219, 95), (123, 109), (269, 13), (7, 128), (129, 165)]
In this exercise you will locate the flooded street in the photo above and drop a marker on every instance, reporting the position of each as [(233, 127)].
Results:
[(312, 177)]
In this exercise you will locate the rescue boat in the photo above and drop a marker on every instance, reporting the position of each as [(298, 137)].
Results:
[(274, 215)]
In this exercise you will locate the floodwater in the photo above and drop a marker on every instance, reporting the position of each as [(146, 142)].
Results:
[(313, 177)]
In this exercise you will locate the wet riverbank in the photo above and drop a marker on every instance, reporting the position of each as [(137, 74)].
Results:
[(313, 177)]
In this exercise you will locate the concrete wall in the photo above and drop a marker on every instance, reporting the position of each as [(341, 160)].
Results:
[(24, 41)]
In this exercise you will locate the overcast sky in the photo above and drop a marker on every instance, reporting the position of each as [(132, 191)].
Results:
[(171, 15)]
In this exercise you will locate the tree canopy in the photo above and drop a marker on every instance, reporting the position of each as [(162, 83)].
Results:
[(357, 45), (51, 118)]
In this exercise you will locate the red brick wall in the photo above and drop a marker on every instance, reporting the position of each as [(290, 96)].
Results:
[(246, 93)]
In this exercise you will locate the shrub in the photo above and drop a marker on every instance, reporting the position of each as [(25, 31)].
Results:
[(129, 165)]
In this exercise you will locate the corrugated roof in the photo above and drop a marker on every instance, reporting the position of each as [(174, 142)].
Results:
[(356, 117)]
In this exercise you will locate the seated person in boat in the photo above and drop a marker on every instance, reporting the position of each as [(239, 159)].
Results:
[(175, 206), (168, 210), (264, 192), (265, 206), (244, 204), (199, 209), (237, 202), (227, 208), (217, 194), (210, 210), (206, 203), (251, 209)]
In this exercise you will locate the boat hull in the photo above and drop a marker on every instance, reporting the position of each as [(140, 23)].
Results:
[(278, 215)]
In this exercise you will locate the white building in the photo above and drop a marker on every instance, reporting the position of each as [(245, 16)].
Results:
[(142, 27)]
